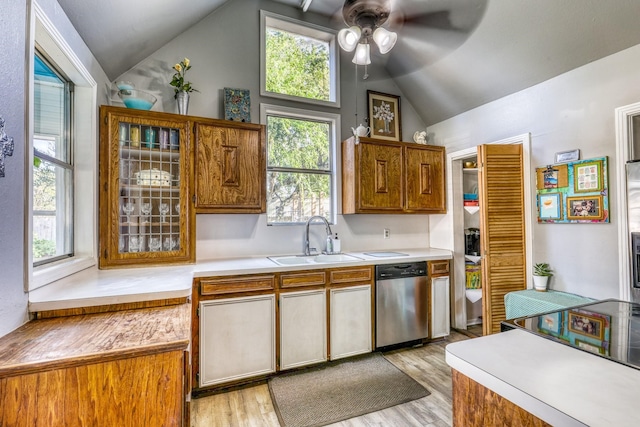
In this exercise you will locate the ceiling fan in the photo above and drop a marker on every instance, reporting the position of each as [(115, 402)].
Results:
[(415, 33)]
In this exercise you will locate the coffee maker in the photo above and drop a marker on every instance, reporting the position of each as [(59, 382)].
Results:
[(472, 241)]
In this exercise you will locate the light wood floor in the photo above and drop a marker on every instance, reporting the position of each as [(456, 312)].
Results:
[(252, 407)]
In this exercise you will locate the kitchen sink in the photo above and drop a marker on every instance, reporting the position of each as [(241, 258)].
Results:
[(313, 259)]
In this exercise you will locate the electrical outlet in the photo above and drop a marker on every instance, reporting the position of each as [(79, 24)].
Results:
[(386, 233)]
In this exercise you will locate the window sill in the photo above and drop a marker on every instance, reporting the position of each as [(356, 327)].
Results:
[(46, 274)]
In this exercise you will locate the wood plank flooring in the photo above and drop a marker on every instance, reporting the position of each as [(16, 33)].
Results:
[(252, 406)]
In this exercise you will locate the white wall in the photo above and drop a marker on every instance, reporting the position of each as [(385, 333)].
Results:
[(223, 56), (573, 110), (13, 191)]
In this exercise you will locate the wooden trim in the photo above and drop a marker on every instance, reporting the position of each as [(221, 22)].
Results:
[(195, 332), (48, 314), (350, 275), (438, 268), (304, 278), (236, 284)]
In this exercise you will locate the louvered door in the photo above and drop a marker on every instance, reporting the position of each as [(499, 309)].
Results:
[(502, 229)]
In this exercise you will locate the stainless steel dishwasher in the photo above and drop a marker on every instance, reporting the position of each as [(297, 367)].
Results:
[(402, 303)]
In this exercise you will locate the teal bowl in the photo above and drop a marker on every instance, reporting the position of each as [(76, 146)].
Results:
[(137, 99)]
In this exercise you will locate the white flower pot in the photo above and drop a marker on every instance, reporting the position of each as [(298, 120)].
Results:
[(540, 283)]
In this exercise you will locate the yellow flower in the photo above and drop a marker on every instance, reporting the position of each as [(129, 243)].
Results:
[(186, 62), (178, 67)]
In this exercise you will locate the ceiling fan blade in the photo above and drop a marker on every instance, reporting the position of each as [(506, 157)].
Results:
[(412, 53), (427, 36)]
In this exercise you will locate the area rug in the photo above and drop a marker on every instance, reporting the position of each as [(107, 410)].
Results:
[(340, 390)]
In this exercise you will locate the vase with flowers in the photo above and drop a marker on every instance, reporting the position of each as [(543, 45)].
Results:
[(181, 87)]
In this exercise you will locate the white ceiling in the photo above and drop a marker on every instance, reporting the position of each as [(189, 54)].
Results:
[(475, 52)]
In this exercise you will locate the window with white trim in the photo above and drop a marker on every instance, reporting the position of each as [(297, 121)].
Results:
[(299, 61), (53, 171), (62, 223), (300, 164)]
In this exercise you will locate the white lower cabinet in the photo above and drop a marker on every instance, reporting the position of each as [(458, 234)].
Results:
[(440, 304), (303, 328), (237, 338), (350, 314)]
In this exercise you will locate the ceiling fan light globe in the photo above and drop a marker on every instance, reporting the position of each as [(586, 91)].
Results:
[(362, 56), (385, 39), (348, 38)]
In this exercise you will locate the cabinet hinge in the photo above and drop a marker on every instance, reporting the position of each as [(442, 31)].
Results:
[(198, 377), (106, 120), (198, 311), (193, 199)]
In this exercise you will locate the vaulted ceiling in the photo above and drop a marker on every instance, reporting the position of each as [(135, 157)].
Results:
[(451, 56)]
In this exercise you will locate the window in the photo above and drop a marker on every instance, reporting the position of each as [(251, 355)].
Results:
[(62, 230), (299, 61), (52, 166), (300, 164)]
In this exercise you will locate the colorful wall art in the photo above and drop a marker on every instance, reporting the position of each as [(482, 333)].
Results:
[(574, 192)]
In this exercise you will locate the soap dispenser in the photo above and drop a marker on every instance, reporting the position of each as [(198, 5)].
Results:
[(336, 245), (329, 246)]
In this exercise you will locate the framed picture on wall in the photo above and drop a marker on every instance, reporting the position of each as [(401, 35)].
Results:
[(237, 105), (549, 206), (587, 177), (585, 207), (384, 116)]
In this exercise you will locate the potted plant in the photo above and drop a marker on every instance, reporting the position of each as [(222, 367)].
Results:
[(541, 274)]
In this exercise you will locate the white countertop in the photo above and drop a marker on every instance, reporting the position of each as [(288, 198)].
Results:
[(561, 385), (92, 287)]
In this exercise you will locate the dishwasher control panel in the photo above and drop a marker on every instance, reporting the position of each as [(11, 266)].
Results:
[(394, 271)]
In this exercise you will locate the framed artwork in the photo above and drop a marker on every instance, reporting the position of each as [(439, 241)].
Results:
[(552, 176), (584, 324), (549, 206), (587, 177), (550, 323), (384, 116), (237, 105), (567, 156), (585, 207), (582, 191)]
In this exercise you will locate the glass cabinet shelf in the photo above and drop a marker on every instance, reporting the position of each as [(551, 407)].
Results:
[(147, 194)]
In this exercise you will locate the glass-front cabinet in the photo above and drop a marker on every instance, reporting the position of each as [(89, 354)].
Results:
[(146, 212)]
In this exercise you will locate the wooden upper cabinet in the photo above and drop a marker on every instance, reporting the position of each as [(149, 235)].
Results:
[(392, 177), (230, 167), (378, 171), (146, 184), (425, 179)]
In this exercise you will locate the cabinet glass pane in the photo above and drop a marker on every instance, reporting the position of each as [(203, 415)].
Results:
[(149, 189)]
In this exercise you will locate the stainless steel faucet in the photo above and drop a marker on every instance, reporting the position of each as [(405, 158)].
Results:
[(307, 250)]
